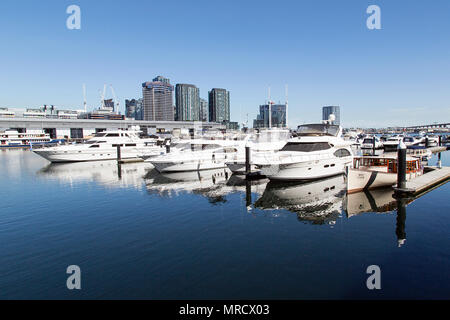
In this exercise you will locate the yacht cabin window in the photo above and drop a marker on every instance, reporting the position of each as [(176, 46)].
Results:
[(306, 146), (341, 153)]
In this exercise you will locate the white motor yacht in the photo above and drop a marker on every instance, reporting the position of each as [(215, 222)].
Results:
[(433, 140), (391, 144), (412, 141), (372, 142), (265, 141), (198, 154), (317, 152), (103, 146)]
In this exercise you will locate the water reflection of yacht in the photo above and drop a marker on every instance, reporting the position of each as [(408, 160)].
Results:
[(377, 200), (320, 201), (238, 183), (107, 173), (208, 182)]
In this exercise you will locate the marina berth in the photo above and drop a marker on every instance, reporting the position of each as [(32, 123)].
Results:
[(104, 146), (370, 172), (317, 152)]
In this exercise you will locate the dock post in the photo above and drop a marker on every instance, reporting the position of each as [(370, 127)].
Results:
[(119, 153), (401, 166), (439, 164), (426, 142), (440, 141), (247, 160), (374, 146)]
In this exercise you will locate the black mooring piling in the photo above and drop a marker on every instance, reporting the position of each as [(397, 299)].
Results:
[(401, 166), (247, 161), (119, 153), (373, 146)]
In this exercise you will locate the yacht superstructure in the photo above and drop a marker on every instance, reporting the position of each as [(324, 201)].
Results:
[(317, 152)]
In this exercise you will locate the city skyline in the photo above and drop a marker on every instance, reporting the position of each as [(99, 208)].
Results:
[(398, 75)]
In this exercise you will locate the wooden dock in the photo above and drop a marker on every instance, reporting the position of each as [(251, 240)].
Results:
[(433, 178), (438, 149)]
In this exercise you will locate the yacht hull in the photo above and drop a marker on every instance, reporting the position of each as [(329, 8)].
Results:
[(360, 180), (83, 156), (302, 171)]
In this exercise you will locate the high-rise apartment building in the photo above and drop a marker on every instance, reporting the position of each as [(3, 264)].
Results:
[(158, 100), (134, 109), (187, 98), (219, 105), (204, 110)]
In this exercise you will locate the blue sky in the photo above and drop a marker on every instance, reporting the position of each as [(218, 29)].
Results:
[(399, 75)]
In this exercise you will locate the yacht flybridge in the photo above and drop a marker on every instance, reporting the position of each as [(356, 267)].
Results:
[(103, 146), (317, 152)]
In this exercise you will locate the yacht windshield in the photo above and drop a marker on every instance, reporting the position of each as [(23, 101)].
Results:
[(318, 130), (306, 146)]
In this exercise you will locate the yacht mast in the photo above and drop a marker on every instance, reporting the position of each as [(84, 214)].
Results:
[(287, 123), (84, 98), (270, 111)]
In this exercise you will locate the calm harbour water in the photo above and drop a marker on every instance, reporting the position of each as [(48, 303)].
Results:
[(137, 234)]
